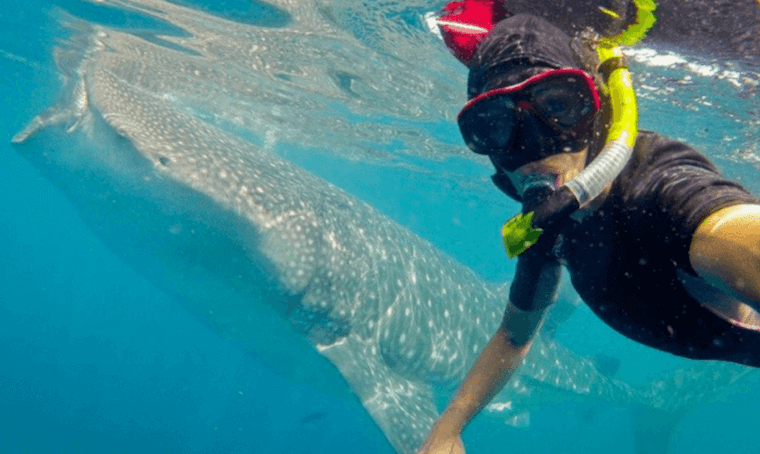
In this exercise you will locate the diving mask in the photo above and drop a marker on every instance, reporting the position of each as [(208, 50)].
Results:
[(549, 113)]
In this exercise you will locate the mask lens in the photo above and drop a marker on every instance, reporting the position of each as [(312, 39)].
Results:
[(489, 125), (563, 102)]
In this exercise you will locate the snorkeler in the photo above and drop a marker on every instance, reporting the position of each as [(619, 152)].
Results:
[(657, 244)]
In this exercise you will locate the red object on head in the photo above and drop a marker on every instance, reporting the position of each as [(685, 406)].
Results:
[(464, 24)]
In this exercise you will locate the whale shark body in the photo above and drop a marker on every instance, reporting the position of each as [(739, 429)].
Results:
[(257, 247)]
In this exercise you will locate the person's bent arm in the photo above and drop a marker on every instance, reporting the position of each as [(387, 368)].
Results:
[(499, 359)]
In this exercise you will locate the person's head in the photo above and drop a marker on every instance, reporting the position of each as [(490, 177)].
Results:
[(532, 107)]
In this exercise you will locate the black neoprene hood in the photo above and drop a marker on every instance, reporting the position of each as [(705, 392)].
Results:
[(517, 48)]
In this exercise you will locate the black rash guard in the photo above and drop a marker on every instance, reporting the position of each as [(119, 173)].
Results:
[(624, 258)]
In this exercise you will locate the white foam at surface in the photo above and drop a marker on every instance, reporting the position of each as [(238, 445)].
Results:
[(652, 58)]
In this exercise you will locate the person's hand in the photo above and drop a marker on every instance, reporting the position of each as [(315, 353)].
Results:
[(442, 441)]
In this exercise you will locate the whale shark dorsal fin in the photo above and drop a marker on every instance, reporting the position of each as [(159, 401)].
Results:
[(403, 409)]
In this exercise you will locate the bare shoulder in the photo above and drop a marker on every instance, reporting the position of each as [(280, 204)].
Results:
[(725, 241), (733, 221)]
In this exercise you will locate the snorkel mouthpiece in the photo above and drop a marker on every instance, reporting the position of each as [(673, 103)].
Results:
[(535, 193), (524, 230)]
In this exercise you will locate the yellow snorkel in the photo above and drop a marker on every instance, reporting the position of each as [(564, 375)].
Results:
[(621, 135), (522, 231)]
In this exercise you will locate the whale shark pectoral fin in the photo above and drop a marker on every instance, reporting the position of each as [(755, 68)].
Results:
[(75, 115), (403, 409)]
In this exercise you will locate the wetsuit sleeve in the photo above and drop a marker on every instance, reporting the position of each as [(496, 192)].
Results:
[(674, 192), (536, 278)]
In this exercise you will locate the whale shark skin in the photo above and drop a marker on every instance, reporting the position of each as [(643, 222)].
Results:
[(246, 240)]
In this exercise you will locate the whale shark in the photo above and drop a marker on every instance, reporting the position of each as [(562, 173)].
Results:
[(258, 247)]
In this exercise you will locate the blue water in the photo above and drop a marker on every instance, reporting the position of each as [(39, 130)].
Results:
[(95, 359)]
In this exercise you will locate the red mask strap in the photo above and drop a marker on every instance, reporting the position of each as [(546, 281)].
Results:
[(464, 24)]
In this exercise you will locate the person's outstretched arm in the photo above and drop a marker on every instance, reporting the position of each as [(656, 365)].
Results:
[(499, 359)]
